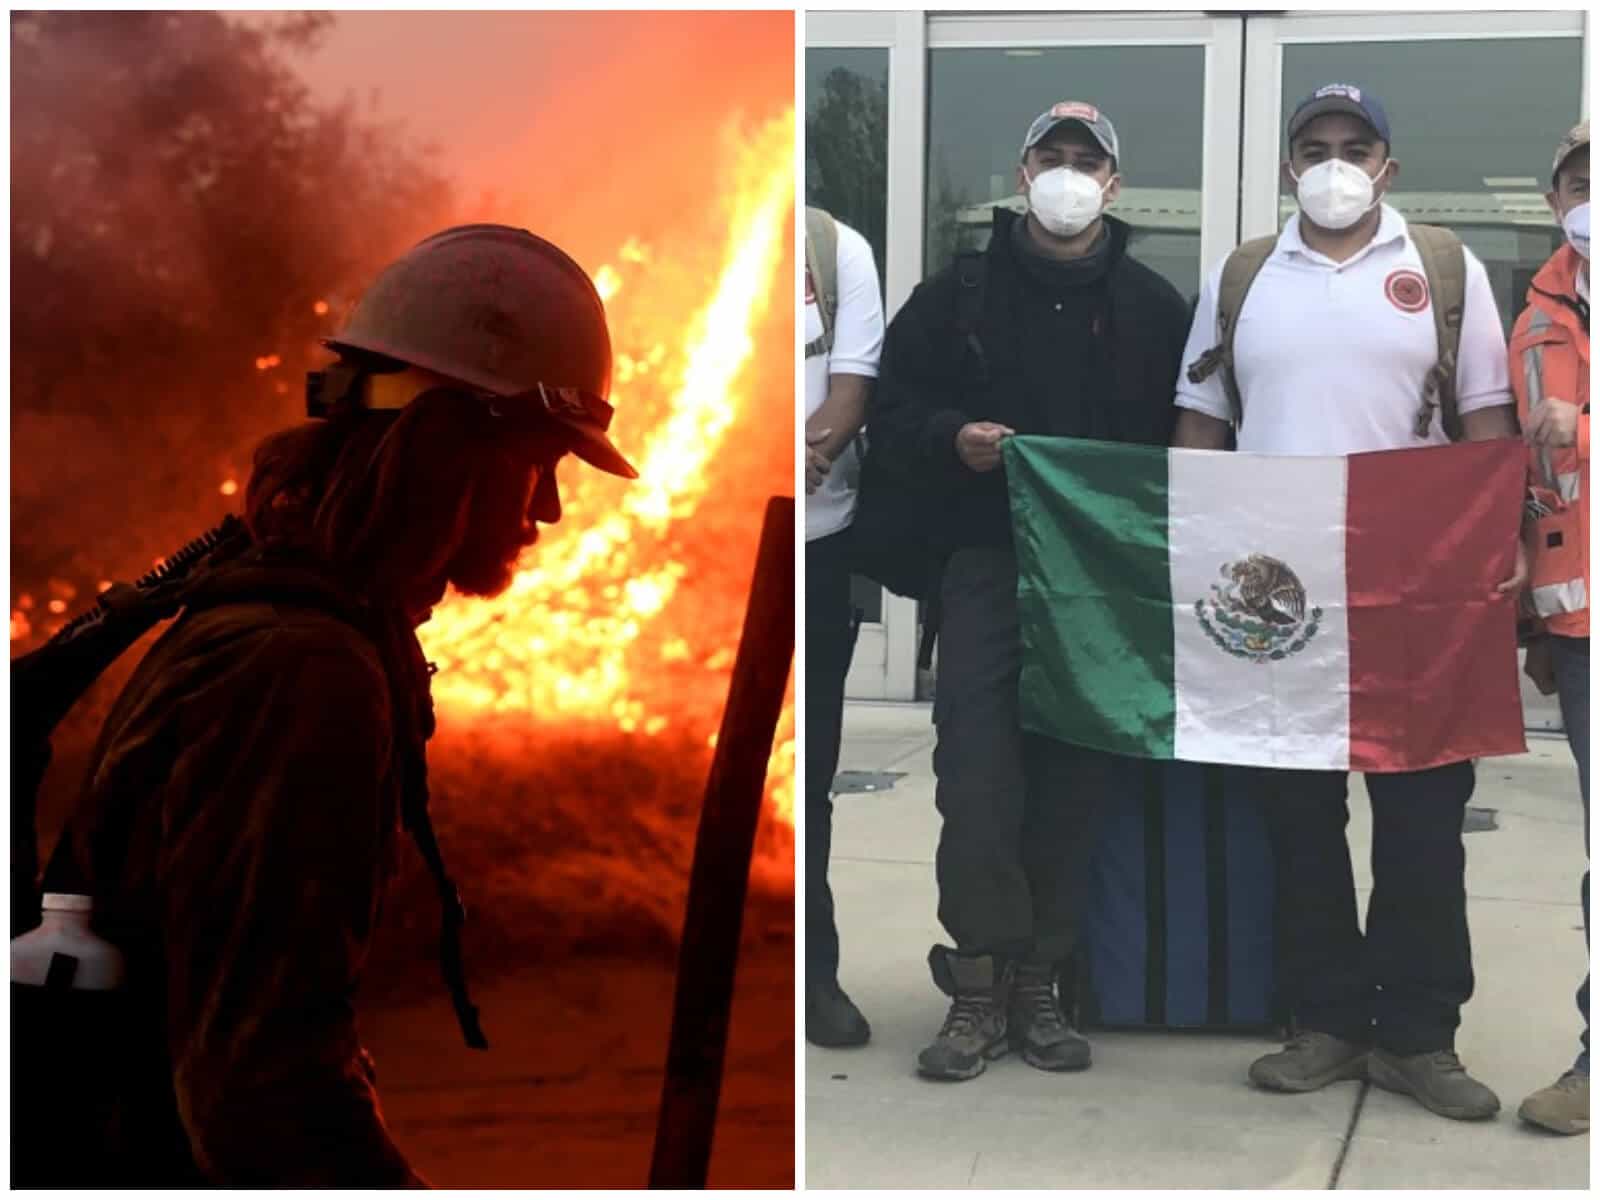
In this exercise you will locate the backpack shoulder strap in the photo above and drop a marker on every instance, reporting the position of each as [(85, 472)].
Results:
[(972, 283), (822, 263), (1444, 262), (1238, 273)]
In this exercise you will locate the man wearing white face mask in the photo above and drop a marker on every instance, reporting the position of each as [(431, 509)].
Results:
[(1332, 350), (1053, 329), (1550, 371)]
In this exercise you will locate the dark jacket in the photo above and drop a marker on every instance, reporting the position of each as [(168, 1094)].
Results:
[(237, 829), (1091, 352)]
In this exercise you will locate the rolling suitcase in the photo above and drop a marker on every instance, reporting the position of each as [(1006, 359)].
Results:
[(1178, 912)]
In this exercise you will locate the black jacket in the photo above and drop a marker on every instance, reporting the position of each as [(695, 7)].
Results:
[(1087, 353)]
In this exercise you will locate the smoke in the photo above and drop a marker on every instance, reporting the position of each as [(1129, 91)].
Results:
[(180, 207)]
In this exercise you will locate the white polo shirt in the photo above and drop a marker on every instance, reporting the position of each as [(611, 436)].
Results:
[(857, 343), (1331, 357)]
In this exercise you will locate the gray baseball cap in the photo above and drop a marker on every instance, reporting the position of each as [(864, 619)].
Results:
[(1087, 115)]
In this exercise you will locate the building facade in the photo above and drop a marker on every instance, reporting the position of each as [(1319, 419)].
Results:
[(913, 120)]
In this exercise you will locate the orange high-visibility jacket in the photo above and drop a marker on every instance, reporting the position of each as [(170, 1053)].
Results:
[(1550, 361)]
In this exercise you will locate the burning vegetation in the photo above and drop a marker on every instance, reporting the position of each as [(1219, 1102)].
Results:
[(187, 222)]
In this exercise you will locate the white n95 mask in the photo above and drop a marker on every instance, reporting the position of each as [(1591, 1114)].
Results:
[(1335, 194), (1576, 226), (1065, 201)]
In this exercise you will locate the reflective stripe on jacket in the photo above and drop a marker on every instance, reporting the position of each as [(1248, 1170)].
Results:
[(1549, 362)]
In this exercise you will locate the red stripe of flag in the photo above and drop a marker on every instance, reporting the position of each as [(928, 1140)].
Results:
[(1433, 660)]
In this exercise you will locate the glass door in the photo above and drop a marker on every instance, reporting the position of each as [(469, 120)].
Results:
[(1168, 81)]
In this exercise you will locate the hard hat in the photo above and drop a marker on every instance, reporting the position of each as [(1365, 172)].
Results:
[(504, 312)]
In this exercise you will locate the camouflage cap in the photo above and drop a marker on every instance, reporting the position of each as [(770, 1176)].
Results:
[(1577, 138)]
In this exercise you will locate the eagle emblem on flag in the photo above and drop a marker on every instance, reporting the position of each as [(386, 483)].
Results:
[(1258, 610)]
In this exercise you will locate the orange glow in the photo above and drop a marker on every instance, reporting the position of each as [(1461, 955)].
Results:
[(580, 634), (320, 308), (229, 487)]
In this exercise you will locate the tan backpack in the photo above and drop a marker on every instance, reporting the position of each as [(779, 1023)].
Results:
[(822, 262), (1444, 262)]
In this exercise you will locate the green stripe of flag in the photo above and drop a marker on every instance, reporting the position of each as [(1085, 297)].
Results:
[(1094, 593)]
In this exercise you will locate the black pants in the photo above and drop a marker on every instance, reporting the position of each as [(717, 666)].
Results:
[(1572, 686), (1402, 985), (1020, 810), (829, 642)]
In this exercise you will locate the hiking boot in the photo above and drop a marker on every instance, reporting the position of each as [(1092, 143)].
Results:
[(1563, 1107), (1310, 1062), (832, 1020), (1437, 1081), (1038, 1028), (974, 1030)]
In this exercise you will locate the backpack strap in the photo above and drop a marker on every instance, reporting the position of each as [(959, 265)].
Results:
[(1444, 262), (48, 681), (972, 281), (822, 264), (1238, 273)]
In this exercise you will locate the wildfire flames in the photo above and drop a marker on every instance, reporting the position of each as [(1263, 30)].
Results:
[(577, 636)]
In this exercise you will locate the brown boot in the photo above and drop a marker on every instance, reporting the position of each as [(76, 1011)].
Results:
[(1563, 1107), (1039, 1029), (974, 1030), (1310, 1062)]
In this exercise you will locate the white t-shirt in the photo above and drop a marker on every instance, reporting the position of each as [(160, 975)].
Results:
[(857, 343), (1331, 357)]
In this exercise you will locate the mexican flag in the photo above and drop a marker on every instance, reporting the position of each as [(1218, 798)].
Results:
[(1329, 613)]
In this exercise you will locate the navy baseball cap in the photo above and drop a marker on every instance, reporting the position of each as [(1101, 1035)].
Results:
[(1341, 98)]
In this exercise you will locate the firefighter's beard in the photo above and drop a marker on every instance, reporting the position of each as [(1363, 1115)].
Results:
[(485, 565), (499, 529), (492, 529)]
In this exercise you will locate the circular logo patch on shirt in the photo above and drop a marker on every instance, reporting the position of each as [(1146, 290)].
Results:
[(1407, 290)]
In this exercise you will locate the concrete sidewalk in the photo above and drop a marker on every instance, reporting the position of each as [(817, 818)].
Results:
[(1173, 1110)]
